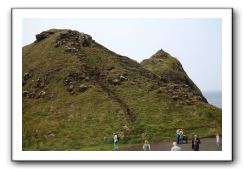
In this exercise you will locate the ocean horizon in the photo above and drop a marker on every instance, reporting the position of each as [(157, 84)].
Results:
[(214, 98)]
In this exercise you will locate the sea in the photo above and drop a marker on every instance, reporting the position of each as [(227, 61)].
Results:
[(214, 98)]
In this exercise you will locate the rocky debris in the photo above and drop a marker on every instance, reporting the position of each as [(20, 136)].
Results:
[(51, 133), (162, 90), (83, 88), (75, 76), (180, 92), (43, 35), (41, 94), (122, 78), (71, 50), (34, 94), (25, 93), (110, 68), (50, 96), (115, 82), (74, 39), (40, 83), (175, 97), (197, 98), (26, 76), (117, 79), (70, 88)]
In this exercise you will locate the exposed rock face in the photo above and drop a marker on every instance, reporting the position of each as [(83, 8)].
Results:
[(43, 35), (74, 40)]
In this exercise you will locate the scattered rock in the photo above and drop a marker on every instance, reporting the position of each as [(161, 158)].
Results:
[(27, 76), (175, 97), (110, 68), (71, 50), (25, 93), (115, 81), (70, 88), (40, 83), (161, 90), (41, 94), (83, 88), (122, 78)]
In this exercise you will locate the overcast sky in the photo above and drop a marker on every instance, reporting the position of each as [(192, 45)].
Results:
[(196, 43)]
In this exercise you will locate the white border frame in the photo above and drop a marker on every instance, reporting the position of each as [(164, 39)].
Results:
[(18, 155)]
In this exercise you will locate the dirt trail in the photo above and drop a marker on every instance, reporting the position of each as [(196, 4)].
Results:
[(207, 144)]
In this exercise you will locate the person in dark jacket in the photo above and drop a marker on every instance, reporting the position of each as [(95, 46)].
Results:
[(195, 143)]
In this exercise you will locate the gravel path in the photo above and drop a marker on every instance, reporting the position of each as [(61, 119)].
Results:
[(207, 144)]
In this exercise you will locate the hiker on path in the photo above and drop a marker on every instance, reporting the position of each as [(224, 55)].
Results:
[(116, 141), (181, 136), (195, 143), (146, 146), (178, 136), (175, 147), (217, 141)]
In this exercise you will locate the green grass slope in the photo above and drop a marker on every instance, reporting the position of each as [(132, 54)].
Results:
[(77, 93)]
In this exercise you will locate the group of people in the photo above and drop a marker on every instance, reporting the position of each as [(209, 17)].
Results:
[(146, 146), (179, 136), (195, 144)]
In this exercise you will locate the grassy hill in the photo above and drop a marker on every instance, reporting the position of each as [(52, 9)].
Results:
[(77, 93)]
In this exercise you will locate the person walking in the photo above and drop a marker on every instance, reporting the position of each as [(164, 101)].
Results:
[(181, 136), (178, 136), (195, 143), (217, 142), (116, 141), (146, 146), (175, 147)]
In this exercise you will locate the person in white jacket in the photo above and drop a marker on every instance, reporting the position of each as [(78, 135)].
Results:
[(146, 146), (175, 147), (116, 141)]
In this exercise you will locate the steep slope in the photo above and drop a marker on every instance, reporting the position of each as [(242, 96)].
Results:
[(174, 78), (76, 93)]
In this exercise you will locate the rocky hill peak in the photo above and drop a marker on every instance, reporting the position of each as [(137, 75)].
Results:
[(160, 54)]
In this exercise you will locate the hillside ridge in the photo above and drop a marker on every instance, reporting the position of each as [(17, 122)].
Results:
[(76, 93)]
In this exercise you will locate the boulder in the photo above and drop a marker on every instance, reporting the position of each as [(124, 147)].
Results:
[(41, 94), (26, 76), (115, 81), (175, 97), (40, 83), (71, 50), (25, 93), (122, 78), (43, 35), (83, 88), (70, 88)]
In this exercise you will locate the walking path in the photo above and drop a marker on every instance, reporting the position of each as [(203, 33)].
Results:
[(207, 144)]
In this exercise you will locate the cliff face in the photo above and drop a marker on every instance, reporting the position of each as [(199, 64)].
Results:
[(76, 93)]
